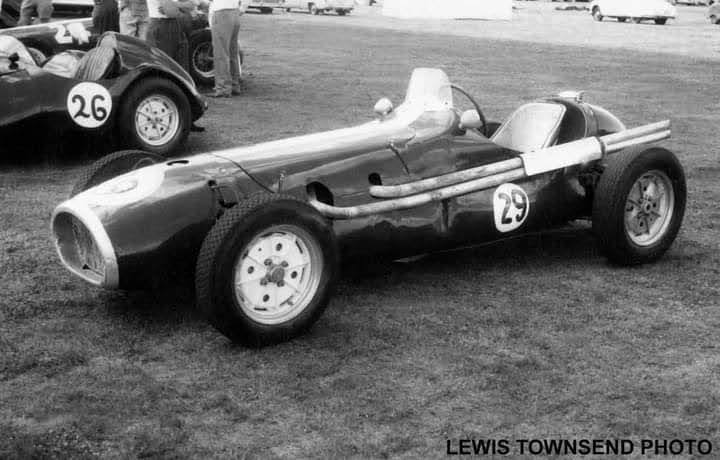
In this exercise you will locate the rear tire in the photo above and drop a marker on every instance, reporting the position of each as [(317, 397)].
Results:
[(622, 19), (596, 14), (113, 165), (313, 9), (201, 58), (266, 249), (154, 97), (639, 205), (660, 21)]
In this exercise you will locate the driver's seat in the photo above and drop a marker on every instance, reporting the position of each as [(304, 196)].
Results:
[(531, 127)]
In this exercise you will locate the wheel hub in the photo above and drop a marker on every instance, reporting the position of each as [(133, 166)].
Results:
[(649, 208)]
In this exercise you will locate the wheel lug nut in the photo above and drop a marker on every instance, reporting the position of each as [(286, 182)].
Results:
[(284, 264), (281, 283), (268, 262)]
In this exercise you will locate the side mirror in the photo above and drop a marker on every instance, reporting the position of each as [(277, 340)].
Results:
[(383, 107), (470, 119)]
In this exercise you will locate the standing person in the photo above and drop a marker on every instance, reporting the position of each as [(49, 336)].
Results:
[(105, 16), (43, 9), (165, 31), (134, 18), (224, 27)]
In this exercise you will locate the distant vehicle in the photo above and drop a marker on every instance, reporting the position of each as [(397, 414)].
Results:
[(73, 7), (341, 7), (714, 13), (636, 10), (266, 6)]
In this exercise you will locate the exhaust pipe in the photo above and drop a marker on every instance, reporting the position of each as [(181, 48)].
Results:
[(471, 180)]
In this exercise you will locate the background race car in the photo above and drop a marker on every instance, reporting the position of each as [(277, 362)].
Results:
[(44, 40), (122, 86)]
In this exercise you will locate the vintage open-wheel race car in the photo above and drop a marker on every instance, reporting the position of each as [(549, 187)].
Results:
[(263, 227)]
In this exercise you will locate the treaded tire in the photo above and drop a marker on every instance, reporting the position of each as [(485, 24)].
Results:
[(200, 76), (113, 165), (135, 95), (229, 238), (608, 220)]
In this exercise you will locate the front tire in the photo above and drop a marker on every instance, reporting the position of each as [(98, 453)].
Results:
[(155, 116), (314, 9), (113, 165), (266, 270), (596, 14), (639, 205), (660, 21)]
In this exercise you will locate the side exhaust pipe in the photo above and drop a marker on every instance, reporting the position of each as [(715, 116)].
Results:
[(471, 180)]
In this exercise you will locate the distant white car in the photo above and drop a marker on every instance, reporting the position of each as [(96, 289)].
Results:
[(636, 10)]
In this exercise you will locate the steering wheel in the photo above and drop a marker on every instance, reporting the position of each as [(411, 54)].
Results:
[(483, 128)]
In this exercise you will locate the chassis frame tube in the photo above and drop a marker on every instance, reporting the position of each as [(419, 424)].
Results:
[(590, 151)]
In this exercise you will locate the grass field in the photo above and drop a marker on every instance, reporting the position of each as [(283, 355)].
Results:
[(537, 337)]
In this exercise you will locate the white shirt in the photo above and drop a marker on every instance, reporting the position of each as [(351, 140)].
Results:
[(154, 9)]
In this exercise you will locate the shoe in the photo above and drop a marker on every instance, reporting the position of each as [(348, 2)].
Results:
[(219, 95)]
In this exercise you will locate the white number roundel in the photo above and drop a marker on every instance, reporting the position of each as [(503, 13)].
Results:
[(89, 104), (510, 206)]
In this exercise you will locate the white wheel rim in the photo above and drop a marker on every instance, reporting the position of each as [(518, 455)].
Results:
[(157, 120), (278, 274), (649, 208)]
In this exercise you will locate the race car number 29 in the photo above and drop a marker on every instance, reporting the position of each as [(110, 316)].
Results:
[(510, 206), (89, 104)]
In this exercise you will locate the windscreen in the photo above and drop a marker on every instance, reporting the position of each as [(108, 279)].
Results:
[(429, 88)]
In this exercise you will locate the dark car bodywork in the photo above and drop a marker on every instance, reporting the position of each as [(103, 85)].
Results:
[(138, 228), (29, 92)]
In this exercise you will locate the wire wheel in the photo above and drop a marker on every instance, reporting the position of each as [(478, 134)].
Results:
[(202, 60), (649, 208), (278, 274), (157, 120)]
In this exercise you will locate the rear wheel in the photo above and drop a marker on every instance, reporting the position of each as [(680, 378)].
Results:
[(596, 14), (113, 165), (155, 116), (637, 20), (660, 21), (341, 12), (622, 19), (266, 10), (265, 271), (639, 205), (313, 9), (201, 58)]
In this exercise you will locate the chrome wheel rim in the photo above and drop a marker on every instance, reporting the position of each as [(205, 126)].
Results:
[(202, 60), (157, 120), (649, 208), (278, 274)]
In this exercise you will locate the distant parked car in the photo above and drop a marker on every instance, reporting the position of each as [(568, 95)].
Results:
[(341, 7), (266, 6), (714, 13), (637, 10)]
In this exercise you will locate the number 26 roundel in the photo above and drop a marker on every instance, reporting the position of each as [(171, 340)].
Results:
[(89, 104), (510, 206)]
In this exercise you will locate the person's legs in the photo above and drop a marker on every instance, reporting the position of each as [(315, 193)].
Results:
[(44, 10), (221, 30), (27, 9), (128, 23), (142, 27), (234, 64)]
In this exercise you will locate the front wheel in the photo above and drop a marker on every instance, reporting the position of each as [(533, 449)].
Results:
[(596, 14), (341, 12), (265, 271), (314, 9), (113, 165), (155, 116), (660, 21), (637, 20), (639, 205), (622, 19)]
